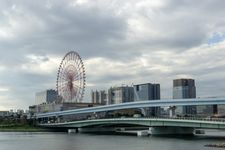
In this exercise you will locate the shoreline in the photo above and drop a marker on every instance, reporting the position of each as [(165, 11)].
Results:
[(220, 145), (23, 130)]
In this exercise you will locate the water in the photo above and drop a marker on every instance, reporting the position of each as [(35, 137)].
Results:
[(65, 141)]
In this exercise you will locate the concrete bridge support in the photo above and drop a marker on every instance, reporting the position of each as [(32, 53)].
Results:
[(171, 130), (73, 130)]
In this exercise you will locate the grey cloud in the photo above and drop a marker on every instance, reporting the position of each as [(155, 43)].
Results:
[(101, 29), (62, 29)]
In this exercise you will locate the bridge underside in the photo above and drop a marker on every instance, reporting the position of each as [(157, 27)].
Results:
[(158, 126), (121, 128)]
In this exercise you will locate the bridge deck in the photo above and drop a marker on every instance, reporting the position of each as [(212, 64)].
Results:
[(150, 122), (139, 104)]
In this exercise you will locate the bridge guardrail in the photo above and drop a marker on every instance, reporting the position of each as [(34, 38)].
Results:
[(138, 118)]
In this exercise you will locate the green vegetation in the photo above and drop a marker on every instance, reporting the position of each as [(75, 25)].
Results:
[(17, 123), (20, 128)]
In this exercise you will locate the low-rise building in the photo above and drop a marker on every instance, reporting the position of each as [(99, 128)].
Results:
[(51, 107), (4, 113)]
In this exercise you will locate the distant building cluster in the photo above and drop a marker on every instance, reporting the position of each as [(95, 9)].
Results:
[(49, 100), (99, 97), (18, 112), (123, 94), (182, 89)]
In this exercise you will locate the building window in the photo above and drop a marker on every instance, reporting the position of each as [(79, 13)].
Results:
[(137, 88)]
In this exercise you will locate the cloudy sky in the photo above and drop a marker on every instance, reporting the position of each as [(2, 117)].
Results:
[(120, 42)]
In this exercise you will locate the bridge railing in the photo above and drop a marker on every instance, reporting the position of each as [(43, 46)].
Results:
[(193, 118), (167, 118)]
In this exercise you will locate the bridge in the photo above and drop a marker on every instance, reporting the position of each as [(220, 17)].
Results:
[(148, 122), (139, 104), (159, 125)]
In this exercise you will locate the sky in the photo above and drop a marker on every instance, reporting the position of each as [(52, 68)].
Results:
[(121, 43)]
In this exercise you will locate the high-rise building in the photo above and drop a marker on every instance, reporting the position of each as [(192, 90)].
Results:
[(103, 97), (121, 94), (95, 96), (99, 97), (148, 91), (184, 88), (48, 96)]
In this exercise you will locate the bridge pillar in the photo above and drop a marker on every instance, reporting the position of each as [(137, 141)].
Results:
[(73, 130), (171, 130)]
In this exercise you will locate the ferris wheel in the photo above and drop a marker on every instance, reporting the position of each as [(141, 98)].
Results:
[(70, 83)]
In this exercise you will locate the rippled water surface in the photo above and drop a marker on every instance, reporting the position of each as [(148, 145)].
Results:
[(65, 141)]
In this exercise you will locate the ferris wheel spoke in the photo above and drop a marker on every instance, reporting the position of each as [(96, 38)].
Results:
[(75, 83), (79, 75), (76, 86), (63, 79), (64, 74), (78, 79), (80, 66), (62, 86), (76, 89), (63, 82)]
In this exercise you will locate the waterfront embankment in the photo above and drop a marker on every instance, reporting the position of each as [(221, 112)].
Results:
[(20, 128), (220, 145)]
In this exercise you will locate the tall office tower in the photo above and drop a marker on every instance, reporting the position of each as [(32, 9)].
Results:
[(121, 94), (95, 96), (103, 97), (184, 88), (148, 91), (99, 97), (47, 96)]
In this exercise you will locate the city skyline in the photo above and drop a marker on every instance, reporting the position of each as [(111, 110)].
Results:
[(120, 42)]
